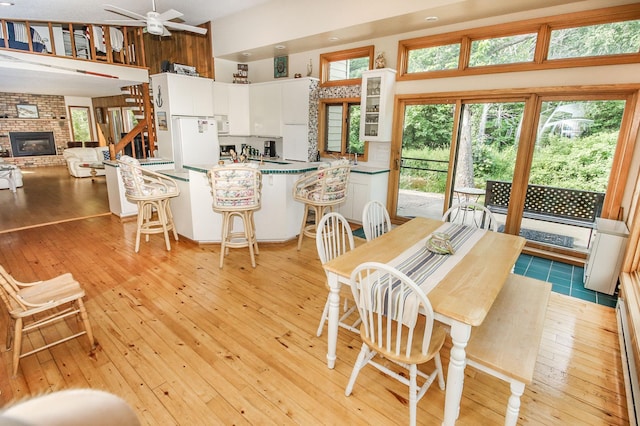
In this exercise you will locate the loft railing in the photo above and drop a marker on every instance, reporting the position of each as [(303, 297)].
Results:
[(119, 45)]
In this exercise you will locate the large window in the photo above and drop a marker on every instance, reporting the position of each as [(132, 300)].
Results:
[(503, 50), (614, 38), (598, 37), (340, 128), (434, 58), (346, 66)]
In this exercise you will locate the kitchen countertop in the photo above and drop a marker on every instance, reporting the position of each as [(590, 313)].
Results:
[(283, 167), (269, 167)]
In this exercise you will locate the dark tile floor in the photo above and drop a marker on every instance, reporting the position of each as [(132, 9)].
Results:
[(564, 278)]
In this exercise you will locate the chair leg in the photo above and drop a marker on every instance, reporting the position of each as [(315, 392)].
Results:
[(304, 225), (361, 361), (413, 394), (440, 371), (225, 232), (148, 216), (17, 345), (11, 323), (141, 207), (162, 218), (85, 320), (169, 216), (323, 318), (248, 234), (253, 233)]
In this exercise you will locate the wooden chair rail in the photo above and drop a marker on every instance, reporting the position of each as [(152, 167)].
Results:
[(558, 205), (506, 344)]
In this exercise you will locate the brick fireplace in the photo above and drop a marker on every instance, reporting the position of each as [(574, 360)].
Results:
[(52, 120)]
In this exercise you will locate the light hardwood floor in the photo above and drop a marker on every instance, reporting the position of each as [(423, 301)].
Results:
[(188, 343)]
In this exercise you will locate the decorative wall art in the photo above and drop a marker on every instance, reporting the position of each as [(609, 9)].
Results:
[(280, 66), (162, 120), (27, 111)]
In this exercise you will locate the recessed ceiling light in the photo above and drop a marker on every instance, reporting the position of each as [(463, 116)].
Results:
[(431, 18), (280, 46), (6, 3), (246, 53)]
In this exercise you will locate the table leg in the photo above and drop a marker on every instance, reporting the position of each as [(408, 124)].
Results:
[(334, 316), (94, 173), (460, 334)]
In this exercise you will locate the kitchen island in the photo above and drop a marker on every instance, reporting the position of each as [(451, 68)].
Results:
[(277, 220)]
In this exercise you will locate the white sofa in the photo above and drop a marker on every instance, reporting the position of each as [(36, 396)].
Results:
[(76, 156), (17, 176)]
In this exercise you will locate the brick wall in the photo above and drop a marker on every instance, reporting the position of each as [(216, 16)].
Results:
[(52, 118)]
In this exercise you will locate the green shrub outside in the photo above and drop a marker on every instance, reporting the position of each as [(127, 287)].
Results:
[(577, 163)]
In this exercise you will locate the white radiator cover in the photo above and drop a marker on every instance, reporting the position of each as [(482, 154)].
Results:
[(631, 385)]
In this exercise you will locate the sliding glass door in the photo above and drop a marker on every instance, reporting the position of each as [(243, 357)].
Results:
[(446, 158), (453, 151), (422, 167), (573, 151)]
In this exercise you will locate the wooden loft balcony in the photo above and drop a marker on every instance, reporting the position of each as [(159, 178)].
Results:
[(119, 45)]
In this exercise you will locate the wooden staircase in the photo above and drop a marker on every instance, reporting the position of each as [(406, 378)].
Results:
[(139, 98)]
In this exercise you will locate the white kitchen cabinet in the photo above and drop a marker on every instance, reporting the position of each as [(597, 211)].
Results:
[(220, 93), (295, 142), (295, 100), (376, 104), (264, 107), (363, 187), (182, 94), (239, 120), (605, 256)]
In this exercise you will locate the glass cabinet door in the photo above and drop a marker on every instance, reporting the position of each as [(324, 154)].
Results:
[(377, 105)]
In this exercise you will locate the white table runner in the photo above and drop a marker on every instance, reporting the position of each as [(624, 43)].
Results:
[(427, 269), (424, 267)]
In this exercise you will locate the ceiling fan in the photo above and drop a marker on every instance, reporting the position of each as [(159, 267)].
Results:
[(154, 21)]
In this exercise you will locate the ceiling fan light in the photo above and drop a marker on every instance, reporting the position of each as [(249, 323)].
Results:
[(154, 27)]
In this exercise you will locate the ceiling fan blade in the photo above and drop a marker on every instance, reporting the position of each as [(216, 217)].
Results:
[(169, 15), (121, 11), (184, 27), (165, 32), (128, 22)]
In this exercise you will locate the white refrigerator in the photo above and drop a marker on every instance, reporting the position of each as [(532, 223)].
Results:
[(195, 141)]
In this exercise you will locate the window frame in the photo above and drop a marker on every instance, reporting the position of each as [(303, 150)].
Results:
[(89, 122), (541, 26), (343, 55), (322, 126)]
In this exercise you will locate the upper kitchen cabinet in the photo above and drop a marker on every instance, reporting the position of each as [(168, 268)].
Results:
[(239, 122), (220, 98), (182, 94), (376, 108), (264, 105), (295, 100)]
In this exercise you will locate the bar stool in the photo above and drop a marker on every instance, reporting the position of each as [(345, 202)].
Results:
[(320, 190), (151, 191), (236, 190)]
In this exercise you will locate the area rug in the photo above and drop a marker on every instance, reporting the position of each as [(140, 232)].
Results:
[(544, 237), (359, 232)]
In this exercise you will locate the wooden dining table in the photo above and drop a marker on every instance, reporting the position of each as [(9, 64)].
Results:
[(461, 298)]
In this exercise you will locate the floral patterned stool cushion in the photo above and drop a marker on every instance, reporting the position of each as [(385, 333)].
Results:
[(236, 191), (151, 191), (320, 190)]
